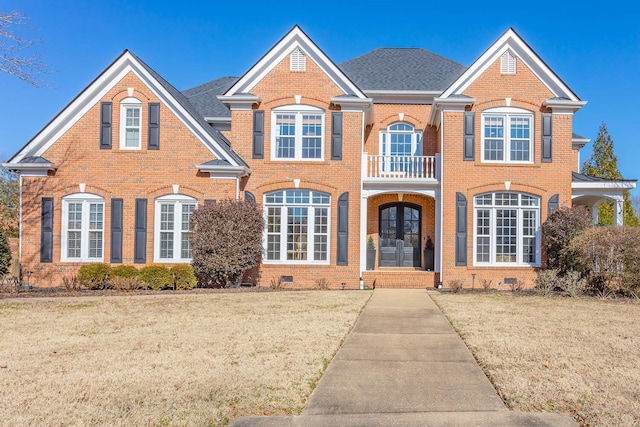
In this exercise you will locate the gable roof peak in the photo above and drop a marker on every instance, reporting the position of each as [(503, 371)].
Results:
[(294, 37)]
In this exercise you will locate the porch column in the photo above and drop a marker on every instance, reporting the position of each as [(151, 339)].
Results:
[(594, 212), (364, 202), (619, 210)]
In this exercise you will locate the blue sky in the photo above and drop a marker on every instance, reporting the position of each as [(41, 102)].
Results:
[(595, 50)]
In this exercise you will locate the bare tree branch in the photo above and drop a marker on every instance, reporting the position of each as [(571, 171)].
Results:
[(14, 59)]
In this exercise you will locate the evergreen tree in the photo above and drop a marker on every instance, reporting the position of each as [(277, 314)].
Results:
[(603, 163)]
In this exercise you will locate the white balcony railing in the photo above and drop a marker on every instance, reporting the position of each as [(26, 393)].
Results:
[(400, 167)]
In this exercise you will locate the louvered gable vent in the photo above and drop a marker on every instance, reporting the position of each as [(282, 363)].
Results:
[(298, 60), (508, 63)]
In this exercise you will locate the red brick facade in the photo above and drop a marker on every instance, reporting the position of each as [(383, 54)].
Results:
[(82, 167)]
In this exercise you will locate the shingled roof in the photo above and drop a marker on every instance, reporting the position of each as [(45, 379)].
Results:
[(204, 99), (402, 69)]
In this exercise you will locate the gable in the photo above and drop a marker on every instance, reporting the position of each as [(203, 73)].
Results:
[(511, 42), (127, 64), (298, 43)]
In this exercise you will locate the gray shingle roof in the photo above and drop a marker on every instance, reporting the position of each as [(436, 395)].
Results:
[(402, 69), (580, 177), (184, 102), (203, 97)]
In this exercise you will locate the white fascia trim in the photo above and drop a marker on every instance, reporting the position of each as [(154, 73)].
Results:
[(420, 97), (218, 119), (578, 143), (96, 91), (448, 104), (564, 106), (295, 38), (352, 104), (30, 168), (239, 101), (511, 41), (224, 171), (615, 185)]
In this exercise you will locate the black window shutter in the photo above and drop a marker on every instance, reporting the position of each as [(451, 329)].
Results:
[(249, 197), (116, 230), (140, 239), (154, 126), (336, 135), (469, 135), (343, 230), (258, 134), (546, 138), (461, 229), (554, 204), (46, 230), (105, 125)]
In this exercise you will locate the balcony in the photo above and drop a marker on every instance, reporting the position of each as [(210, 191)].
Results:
[(416, 170)]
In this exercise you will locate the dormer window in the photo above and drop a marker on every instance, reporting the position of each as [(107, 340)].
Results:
[(508, 63), (298, 60), (130, 124)]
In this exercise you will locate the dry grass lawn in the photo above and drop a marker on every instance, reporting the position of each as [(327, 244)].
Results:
[(167, 359), (555, 354)]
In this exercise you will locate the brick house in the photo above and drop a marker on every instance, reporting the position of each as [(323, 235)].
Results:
[(447, 171)]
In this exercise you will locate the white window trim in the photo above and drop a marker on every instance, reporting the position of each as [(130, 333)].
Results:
[(283, 227), (299, 111), (416, 139), (86, 199), (124, 105), (177, 200), (492, 233), (507, 113)]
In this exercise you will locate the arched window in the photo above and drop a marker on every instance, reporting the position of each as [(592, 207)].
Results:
[(507, 135), (130, 124), (507, 229), (297, 133), (173, 228), (398, 143), (82, 228), (297, 227)]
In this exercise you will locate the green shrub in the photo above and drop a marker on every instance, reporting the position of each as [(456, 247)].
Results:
[(126, 271), (183, 276), (5, 254), (94, 276), (156, 277)]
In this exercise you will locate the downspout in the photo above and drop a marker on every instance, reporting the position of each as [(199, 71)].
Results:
[(20, 226), (237, 188)]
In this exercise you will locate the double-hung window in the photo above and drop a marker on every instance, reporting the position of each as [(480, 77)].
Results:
[(507, 136), (82, 228), (399, 144), (173, 228), (297, 133), (507, 229), (297, 226), (130, 124)]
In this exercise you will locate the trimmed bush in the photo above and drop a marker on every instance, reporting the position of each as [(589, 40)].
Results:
[(5, 254), (226, 241), (547, 281), (126, 271), (184, 276), (557, 232), (93, 276), (573, 283), (156, 277), (125, 283)]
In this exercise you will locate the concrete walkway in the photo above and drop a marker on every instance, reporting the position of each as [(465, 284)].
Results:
[(404, 365)]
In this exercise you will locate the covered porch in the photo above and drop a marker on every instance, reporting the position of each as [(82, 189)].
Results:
[(591, 192)]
